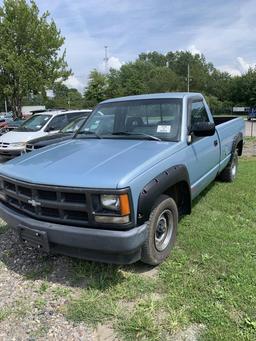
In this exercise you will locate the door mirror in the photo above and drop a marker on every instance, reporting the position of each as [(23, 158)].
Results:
[(203, 129), (49, 129)]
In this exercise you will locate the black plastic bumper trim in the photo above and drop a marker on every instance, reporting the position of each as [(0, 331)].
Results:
[(94, 241)]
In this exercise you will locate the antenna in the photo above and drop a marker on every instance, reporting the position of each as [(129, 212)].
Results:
[(106, 59)]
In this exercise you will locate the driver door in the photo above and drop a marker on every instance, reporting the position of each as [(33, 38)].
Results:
[(203, 153)]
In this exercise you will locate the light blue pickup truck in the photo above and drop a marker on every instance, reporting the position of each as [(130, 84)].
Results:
[(116, 191)]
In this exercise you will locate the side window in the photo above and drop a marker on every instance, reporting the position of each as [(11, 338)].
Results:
[(73, 116), (58, 122), (198, 113)]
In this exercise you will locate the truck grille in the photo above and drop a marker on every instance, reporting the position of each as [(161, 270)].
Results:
[(49, 203)]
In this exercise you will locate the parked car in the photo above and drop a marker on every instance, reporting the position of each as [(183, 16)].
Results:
[(251, 114), (64, 134), (115, 192), (14, 142), (6, 115)]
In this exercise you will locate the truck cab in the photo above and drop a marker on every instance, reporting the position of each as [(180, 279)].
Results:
[(116, 190)]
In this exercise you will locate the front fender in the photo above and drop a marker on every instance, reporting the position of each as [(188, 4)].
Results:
[(160, 184)]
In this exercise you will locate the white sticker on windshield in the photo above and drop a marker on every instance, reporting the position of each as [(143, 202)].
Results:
[(163, 129)]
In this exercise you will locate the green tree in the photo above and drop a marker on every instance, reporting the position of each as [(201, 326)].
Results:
[(96, 88), (243, 89), (30, 60), (64, 98)]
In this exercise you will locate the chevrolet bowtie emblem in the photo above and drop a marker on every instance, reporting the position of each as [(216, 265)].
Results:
[(34, 203)]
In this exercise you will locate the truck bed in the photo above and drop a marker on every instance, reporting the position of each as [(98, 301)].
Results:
[(223, 119)]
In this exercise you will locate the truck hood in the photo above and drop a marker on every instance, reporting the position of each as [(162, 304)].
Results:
[(91, 163), (20, 136)]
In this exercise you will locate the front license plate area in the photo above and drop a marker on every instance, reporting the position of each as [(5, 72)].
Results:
[(34, 238)]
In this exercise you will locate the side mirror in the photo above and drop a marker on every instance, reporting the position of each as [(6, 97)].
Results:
[(48, 130), (203, 129)]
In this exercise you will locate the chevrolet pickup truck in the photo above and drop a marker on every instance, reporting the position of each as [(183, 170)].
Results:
[(115, 192)]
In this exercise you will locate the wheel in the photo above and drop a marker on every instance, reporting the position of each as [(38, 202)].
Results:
[(162, 231), (229, 173)]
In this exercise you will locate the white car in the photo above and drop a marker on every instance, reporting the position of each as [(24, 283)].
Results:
[(13, 143)]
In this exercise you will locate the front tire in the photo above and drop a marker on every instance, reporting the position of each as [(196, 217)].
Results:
[(162, 231)]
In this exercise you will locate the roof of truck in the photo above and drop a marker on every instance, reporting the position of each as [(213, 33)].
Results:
[(153, 96)]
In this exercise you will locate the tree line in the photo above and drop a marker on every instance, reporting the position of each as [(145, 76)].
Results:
[(155, 72), (31, 62)]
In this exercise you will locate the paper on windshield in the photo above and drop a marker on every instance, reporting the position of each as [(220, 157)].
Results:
[(163, 129)]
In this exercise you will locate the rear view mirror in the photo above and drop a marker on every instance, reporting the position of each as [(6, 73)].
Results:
[(203, 129)]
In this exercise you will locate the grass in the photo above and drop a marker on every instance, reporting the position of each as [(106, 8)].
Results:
[(3, 227), (209, 279)]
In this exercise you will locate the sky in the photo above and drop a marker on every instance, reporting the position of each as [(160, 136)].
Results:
[(224, 31)]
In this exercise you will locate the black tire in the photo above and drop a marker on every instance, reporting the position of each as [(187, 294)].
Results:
[(230, 171), (164, 214)]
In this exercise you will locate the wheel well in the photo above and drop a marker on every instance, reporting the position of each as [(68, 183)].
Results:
[(239, 147), (180, 193)]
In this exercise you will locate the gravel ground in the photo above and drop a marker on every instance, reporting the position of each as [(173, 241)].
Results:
[(30, 306), (249, 148)]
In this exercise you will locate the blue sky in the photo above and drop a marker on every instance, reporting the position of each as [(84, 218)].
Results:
[(224, 31)]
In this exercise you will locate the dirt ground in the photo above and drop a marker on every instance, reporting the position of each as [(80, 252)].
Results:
[(249, 147)]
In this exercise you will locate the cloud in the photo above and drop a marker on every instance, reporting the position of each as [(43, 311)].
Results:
[(231, 70), (113, 63), (222, 31), (192, 48), (244, 65), (74, 82)]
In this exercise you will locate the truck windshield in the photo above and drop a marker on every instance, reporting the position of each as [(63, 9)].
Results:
[(34, 123), (156, 119)]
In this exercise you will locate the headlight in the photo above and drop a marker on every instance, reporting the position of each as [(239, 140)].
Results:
[(118, 207), (18, 144), (110, 202)]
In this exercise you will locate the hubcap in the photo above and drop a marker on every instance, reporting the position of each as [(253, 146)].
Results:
[(164, 228), (234, 168)]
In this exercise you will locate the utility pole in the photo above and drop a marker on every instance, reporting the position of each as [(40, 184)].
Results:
[(5, 104), (106, 59)]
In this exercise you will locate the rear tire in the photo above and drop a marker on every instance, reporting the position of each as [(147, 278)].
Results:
[(162, 231), (229, 173)]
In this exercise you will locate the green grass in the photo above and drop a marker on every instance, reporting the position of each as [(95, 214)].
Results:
[(210, 278), (3, 227)]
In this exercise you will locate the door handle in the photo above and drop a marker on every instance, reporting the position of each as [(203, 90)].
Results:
[(215, 143)]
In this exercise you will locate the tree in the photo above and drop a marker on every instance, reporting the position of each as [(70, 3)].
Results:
[(243, 89), (96, 89), (30, 59), (64, 98)]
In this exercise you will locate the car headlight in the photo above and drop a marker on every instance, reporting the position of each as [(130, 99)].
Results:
[(110, 202), (116, 209), (18, 144)]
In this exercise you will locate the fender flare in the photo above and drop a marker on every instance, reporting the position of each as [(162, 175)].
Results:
[(160, 184), (238, 138)]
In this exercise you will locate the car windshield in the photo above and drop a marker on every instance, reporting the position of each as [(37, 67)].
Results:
[(34, 123), (73, 126), (158, 119)]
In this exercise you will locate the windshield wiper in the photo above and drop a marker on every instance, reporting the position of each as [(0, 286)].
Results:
[(134, 134), (88, 133)]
